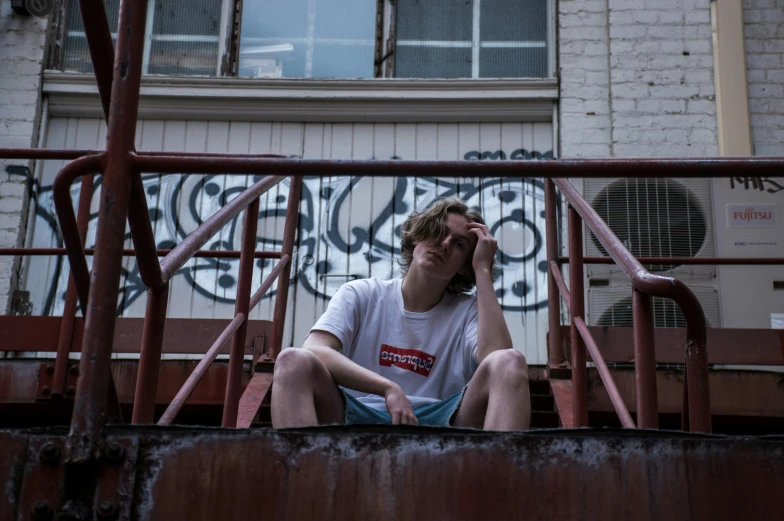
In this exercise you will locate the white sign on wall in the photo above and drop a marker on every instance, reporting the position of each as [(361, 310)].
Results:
[(745, 215)]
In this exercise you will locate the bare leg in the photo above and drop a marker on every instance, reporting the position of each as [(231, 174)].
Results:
[(497, 397), (304, 393)]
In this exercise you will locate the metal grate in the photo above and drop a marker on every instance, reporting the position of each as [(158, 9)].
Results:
[(612, 306), (471, 39), (654, 218), (176, 43)]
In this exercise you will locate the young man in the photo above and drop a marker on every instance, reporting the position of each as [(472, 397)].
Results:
[(416, 350)]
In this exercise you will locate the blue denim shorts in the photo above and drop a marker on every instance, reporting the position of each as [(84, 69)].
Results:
[(437, 414)]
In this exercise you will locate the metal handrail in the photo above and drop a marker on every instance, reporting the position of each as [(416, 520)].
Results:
[(645, 285)]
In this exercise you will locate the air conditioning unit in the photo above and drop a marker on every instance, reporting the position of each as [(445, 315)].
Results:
[(654, 218), (612, 306)]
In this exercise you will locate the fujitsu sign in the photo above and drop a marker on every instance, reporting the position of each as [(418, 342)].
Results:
[(752, 216)]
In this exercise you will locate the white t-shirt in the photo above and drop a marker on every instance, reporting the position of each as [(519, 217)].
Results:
[(430, 355)]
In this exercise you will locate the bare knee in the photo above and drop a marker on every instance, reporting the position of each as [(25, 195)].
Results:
[(295, 365), (506, 367)]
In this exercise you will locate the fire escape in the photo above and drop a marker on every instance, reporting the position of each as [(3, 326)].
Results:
[(587, 456)]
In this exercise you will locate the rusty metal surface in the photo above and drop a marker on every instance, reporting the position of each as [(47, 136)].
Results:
[(407, 473), (47, 372), (644, 360), (560, 168), (606, 376), (698, 394), (182, 335), (383, 473), (555, 354), (577, 301), (727, 346), (562, 396), (733, 393), (150, 355), (282, 295), (256, 392)]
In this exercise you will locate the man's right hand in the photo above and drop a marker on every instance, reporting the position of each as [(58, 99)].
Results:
[(398, 405)]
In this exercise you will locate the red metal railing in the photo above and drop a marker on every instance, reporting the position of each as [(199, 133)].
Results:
[(122, 198)]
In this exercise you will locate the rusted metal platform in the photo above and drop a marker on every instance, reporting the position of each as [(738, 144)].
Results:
[(389, 473)]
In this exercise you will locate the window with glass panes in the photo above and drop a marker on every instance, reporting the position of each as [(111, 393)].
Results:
[(182, 37), (335, 38)]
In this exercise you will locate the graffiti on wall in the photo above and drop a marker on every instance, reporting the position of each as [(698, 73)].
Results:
[(334, 243)]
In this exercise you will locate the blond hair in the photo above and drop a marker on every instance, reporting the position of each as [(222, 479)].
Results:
[(430, 226)]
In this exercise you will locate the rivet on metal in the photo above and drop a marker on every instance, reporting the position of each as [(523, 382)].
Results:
[(71, 389), (49, 368), (107, 509), (50, 453), (74, 369), (41, 511), (114, 452), (46, 390)]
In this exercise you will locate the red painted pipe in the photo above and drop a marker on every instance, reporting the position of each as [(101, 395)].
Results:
[(644, 361), (577, 301), (150, 357), (199, 237), (209, 254), (560, 285), (237, 357), (555, 354), (92, 387), (282, 294), (601, 366), (282, 264)]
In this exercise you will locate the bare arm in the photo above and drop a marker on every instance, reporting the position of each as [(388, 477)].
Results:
[(492, 332), (346, 373)]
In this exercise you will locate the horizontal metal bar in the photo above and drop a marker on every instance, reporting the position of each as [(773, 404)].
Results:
[(195, 377), (561, 168), (559, 281), (265, 286), (198, 237), (690, 261), (65, 154), (604, 372), (210, 254)]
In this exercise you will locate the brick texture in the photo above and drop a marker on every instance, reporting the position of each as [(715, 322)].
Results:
[(636, 79), (22, 40), (763, 29)]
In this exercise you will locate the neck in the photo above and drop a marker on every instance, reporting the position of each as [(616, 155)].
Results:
[(420, 292)]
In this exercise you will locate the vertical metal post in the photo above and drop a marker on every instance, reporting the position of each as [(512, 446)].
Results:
[(231, 401), (92, 387), (577, 300), (150, 358), (644, 361), (282, 295), (554, 348), (697, 381), (71, 299)]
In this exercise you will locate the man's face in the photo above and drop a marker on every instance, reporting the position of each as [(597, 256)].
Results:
[(443, 260)]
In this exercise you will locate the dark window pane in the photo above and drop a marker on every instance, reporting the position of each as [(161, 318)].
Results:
[(343, 61), (513, 20), (433, 62), (76, 55), (445, 20), (177, 44), (513, 63)]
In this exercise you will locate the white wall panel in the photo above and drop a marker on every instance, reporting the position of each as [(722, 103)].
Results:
[(349, 226)]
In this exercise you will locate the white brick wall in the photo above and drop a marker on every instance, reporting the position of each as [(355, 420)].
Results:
[(636, 79), (764, 34), (22, 40)]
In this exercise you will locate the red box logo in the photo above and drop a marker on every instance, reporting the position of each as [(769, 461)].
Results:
[(411, 359)]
